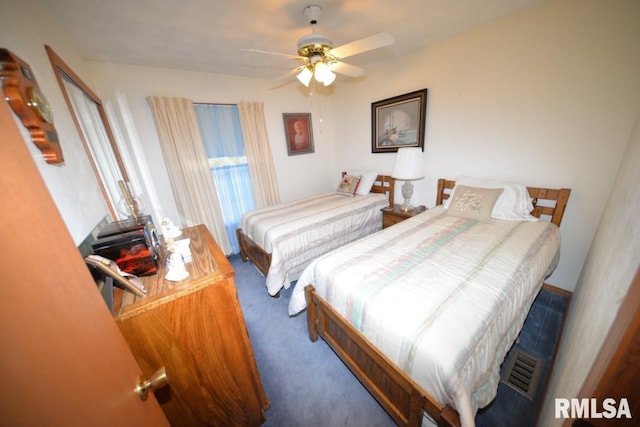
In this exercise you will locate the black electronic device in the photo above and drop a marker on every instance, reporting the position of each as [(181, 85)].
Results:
[(132, 243)]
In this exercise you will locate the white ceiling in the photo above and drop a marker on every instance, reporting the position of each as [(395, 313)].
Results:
[(209, 35)]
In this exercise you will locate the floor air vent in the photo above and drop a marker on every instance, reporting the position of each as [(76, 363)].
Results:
[(522, 373)]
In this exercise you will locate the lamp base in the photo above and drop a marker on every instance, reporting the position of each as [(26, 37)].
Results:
[(407, 192)]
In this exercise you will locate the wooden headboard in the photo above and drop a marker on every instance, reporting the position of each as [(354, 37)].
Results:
[(549, 202), (383, 184)]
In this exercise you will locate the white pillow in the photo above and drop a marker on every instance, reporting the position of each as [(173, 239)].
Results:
[(367, 179), (514, 203)]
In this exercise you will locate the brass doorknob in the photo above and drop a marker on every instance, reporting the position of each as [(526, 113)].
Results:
[(158, 379)]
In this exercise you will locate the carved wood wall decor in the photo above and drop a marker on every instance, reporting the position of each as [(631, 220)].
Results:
[(23, 94)]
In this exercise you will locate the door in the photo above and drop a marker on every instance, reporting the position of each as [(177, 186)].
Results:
[(63, 361)]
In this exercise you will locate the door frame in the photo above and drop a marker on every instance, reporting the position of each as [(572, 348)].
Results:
[(616, 371)]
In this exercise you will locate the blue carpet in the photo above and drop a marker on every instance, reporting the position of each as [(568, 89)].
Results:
[(538, 338), (308, 385)]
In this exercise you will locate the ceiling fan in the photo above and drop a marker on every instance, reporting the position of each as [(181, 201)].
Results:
[(321, 60)]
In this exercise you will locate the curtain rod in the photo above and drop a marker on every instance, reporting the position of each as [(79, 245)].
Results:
[(213, 103)]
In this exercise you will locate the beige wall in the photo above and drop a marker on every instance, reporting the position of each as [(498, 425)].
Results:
[(25, 27), (607, 274), (547, 96), (124, 89)]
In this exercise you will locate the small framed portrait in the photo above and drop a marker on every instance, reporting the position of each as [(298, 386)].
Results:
[(398, 122), (298, 133)]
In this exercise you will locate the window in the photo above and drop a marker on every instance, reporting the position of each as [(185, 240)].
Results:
[(222, 137), (93, 126)]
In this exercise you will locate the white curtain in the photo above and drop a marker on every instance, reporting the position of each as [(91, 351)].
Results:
[(258, 151), (222, 137), (187, 165)]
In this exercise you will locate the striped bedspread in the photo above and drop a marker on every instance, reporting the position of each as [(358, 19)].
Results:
[(443, 297), (297, 232)]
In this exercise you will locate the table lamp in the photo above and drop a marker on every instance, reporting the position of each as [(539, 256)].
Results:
[(409, 167)]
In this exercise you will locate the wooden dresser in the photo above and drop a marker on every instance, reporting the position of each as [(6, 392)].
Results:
[(196, 330)]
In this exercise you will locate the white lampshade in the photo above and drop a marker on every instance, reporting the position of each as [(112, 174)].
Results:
[(305, 76), (329, 78), (318, 68), (409, 165), (322, 71)]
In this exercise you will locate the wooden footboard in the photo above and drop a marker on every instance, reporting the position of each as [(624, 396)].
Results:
[(402, 398), (251, 251)]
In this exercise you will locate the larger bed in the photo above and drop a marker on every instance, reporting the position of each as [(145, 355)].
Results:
[(425, 311), (282, 240)]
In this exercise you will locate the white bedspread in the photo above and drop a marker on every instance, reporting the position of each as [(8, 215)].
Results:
[(443, 297), (297, 232)]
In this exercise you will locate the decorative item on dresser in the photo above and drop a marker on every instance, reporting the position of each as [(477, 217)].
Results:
[(444, 300), (195, 329), (132, 243), (281, 240)]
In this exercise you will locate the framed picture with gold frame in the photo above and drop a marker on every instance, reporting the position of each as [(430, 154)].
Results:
[(298, 133)]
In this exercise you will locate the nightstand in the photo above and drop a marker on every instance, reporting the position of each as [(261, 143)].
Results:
[(396, 215)]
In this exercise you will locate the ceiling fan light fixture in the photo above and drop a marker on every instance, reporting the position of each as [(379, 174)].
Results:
[(329, 78), (321, 59), (304, 76), (322, 72)]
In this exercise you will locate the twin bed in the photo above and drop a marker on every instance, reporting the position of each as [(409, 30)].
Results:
[(282, 240), (424, 312)]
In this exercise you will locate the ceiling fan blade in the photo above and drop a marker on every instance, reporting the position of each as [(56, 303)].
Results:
[(374, 41), (288, 75), (296, 57), (346, 69)]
